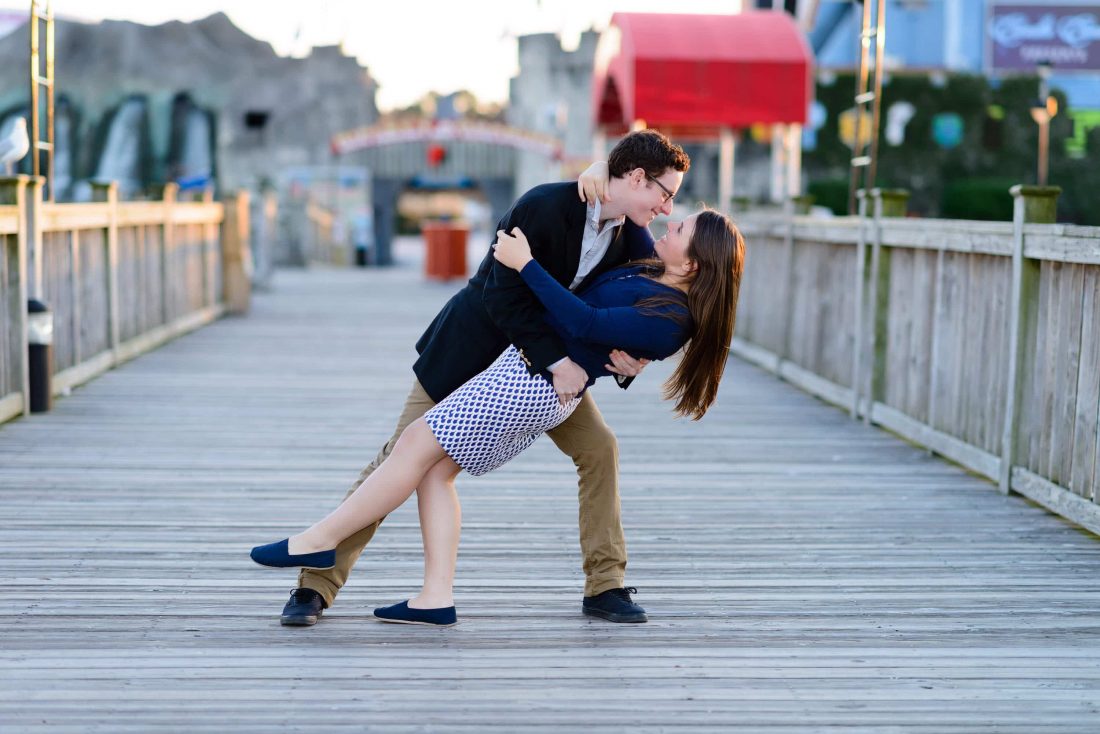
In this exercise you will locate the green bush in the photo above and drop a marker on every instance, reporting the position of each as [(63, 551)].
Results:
[(978, 198), (831, 193), (1000, 141)]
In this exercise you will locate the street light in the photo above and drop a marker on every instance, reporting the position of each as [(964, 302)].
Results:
[(1042, 110)]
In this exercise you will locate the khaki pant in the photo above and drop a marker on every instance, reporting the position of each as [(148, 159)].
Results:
[(585, 438)]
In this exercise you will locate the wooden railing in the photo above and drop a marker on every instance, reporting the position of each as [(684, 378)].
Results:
[(977, 340), (119, 278), (14, 388), (308, 235), (322, 246)]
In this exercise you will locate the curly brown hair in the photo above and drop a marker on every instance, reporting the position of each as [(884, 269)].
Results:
[(649, 150)]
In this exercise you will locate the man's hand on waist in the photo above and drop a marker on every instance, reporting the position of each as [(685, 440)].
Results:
[(569, 379)]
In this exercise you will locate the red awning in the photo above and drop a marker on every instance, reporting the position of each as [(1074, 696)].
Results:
[(696, 73)]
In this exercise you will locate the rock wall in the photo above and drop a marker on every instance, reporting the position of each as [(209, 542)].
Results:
[(222, 69)]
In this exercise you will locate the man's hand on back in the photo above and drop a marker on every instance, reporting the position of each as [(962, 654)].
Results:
[(569, 379)]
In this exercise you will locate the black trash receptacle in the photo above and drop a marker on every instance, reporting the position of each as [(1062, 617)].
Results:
[(40, 355)]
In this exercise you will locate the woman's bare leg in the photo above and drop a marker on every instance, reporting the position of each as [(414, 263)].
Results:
[(440, 526), (384, 491)]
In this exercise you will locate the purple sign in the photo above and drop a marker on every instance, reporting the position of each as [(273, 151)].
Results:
[(1066, 36)]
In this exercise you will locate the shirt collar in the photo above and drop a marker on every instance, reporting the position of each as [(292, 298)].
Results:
[(594, 210)]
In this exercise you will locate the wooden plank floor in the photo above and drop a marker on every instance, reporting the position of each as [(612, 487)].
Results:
[(803, 573)]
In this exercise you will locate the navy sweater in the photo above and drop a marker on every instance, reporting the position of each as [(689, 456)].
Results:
[(606, 317)]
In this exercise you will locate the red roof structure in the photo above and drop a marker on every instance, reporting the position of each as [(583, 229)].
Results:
[(695, 74)]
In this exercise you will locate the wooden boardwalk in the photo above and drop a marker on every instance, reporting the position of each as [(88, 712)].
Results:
[(803, 572)]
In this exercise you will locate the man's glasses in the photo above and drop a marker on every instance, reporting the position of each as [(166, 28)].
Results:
[(668, 195)]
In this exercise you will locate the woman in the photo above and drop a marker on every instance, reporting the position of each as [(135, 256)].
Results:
[(687, 294)]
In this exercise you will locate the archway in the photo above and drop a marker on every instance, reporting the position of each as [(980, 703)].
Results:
[(445, 153)]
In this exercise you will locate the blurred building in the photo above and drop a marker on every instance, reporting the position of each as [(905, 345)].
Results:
[(552, 94), (193, 101), (993, 38)]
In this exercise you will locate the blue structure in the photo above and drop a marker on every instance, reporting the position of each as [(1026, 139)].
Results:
[(957, 36)]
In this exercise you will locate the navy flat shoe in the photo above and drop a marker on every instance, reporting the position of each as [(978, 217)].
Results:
[(276, 555), (404, 614)]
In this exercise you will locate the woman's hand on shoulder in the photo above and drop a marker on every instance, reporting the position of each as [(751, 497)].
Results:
[(512, 250), (593, 183)]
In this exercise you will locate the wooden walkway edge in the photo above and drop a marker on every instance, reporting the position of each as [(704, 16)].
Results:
[(803, 572)]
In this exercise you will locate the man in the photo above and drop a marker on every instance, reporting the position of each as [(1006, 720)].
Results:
[(575, 243)]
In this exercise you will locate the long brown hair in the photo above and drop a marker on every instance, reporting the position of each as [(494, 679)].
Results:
[(718, 249)]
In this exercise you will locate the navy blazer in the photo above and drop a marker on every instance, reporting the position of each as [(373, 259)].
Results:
[(497, 308)]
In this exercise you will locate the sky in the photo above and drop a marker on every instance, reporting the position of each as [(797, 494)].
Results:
[(410, 46)]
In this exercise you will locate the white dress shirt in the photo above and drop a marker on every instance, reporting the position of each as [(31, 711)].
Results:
[(594, 246), (595, 241)]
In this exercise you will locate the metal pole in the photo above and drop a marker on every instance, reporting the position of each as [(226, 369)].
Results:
[(880, 62), (726, 151), (35, 68), (778, 164), (1043, 118), (50, 94), (1044, 148), (861, 93), (794, 160)]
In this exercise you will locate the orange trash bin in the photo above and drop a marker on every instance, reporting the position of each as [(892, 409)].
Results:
[(444, 249)]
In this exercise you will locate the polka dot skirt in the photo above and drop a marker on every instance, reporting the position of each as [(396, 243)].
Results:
[(496, 415)]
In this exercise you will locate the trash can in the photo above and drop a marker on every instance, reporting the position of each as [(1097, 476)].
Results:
[(361, 260), (444, 249), (40, 355)]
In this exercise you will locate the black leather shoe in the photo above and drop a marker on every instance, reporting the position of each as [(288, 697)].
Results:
[(303, 609), (615, 605)]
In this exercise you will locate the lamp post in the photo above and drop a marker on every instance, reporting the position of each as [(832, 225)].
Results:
[(1042, 110)]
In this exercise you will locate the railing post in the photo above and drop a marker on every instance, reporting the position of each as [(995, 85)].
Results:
[(209, 254), (13, 192), (787, 282), (887, 203), (35, 259), (803, 204), (169, 301), (236, 254), (859, 351), (1031, 205), (265, 229), (107, 191), (310, 238), (938, 316), (76, 277), (40, 359)]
